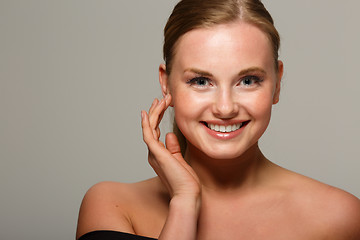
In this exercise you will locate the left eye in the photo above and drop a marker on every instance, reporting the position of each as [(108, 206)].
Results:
[(249, 80)]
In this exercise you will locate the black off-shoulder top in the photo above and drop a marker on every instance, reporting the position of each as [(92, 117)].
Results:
[(112, 235)]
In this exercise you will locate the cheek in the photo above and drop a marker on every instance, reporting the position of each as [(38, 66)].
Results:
[(189, 103), (259, 106), (182, 105)]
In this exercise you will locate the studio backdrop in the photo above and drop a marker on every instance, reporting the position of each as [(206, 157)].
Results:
[(75, 74)]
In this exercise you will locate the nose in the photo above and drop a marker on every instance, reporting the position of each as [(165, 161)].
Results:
[(225, 105)]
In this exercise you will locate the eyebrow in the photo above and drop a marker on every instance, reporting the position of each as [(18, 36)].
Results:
[(251, 70), (241, 73), (199, 72)]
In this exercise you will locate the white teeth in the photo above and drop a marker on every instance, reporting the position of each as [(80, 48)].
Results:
[(228, 128), (235, 126), (222, 128)]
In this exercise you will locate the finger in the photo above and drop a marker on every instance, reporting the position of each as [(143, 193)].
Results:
[(151, 142), (172, 144), (151, 110), (158, 133), (156, 116), (155, 113), (153, 105), (163, 105), (167, 100), (146, 130)]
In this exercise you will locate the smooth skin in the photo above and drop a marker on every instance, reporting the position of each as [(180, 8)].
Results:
[(224, 188)]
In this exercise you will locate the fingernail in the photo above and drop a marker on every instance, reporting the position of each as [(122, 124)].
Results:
[(153, 103), (142, 115)]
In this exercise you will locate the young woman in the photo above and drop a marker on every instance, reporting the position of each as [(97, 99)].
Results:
[(221, 77)]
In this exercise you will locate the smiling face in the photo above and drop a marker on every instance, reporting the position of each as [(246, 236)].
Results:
[(223, 83)]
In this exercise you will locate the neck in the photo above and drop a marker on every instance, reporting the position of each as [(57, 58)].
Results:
[(240, 173)]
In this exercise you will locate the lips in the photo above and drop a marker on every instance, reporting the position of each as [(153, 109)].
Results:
[(225, 128)]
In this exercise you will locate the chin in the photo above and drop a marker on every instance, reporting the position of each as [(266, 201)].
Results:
[(224, 153)]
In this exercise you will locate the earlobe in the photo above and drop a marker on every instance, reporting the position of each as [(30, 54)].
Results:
[(278, 82)]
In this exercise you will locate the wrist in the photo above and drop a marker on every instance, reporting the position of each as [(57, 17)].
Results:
[(186, 204), (181, 222)]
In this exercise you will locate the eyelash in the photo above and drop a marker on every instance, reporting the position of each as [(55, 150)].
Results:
[(254, 80), (196, 81)]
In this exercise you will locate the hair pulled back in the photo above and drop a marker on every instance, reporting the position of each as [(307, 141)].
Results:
[(194, 14)]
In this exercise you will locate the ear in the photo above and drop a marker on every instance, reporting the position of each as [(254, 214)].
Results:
[(164, 81), (278, 82)]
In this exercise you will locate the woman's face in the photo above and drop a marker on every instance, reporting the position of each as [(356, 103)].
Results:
[(223, 84)]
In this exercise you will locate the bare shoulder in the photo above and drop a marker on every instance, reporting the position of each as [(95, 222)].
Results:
[(112, 205), (333, 211), (342, 213)]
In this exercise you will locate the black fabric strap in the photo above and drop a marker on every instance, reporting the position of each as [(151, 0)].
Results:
[(112, 235)]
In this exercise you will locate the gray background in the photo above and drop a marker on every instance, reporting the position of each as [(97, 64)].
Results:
[(74, 76)]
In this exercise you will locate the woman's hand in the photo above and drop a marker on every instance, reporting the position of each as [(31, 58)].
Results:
[(167, 161), (178, 177)]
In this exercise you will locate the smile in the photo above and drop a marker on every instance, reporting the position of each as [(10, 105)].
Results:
[(225, 128)]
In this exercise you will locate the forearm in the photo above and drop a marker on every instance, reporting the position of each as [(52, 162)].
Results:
[(181, 223)]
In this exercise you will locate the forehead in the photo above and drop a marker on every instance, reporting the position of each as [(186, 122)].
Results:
[(234, 44)]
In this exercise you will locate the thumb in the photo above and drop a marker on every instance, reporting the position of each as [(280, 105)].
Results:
[(172, 144)]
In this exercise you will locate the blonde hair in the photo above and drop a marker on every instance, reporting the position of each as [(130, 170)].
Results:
[(193, 14)]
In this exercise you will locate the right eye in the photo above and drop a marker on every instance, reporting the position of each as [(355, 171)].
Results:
[(199, 81)]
